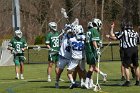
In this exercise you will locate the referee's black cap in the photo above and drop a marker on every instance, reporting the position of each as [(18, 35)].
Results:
[(126, 25)]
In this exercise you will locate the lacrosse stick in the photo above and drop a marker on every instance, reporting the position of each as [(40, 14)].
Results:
[(37, 47), (97, 87), (106, 47), (68, 11)]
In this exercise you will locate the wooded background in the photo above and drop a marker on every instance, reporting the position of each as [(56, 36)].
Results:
[(36, 14)]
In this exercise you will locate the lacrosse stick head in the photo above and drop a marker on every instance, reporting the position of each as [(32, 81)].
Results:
[(75, 23), (63, 11), (97, 88)]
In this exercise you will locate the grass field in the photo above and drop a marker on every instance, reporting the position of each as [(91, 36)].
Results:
[(36, 81)]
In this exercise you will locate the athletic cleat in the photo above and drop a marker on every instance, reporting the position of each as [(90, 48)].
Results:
[(86, 86), (17, 77), (73, 86), (56, 85), (133, 73), (137, 83), (22, 77), (61, 79), (82, 84), (97, 88), (49, 80), (104, 77), (91, 86), (122, 78), (127, 83)]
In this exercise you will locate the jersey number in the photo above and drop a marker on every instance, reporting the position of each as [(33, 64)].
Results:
[(77, 46), (55, 42), (18, 49)]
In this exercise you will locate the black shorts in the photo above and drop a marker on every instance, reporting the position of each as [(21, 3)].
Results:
[(121, 53), (130, 57)]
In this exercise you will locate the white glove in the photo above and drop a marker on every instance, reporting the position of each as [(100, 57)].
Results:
[(100, 44), (52, 49), (98, 51)]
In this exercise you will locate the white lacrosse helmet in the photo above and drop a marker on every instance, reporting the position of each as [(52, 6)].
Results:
[(53, 26), (18, 33), (68, 28), (97, 22), (90, 24), (78, 29)]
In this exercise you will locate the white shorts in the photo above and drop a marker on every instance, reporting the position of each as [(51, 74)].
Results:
[(82, 65), (73, 64), (62, 62)]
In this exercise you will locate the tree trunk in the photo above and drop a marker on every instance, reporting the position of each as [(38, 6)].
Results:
[(131, 11), (102, 11), (96, 9)]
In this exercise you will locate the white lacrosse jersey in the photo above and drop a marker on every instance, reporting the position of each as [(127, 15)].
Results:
[(77, 47), (64, 48)]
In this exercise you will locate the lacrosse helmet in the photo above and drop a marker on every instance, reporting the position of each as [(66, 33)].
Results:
[(18, 33), (68, 28), (90, 25), (97, 23), (78, 29), (53, 26)]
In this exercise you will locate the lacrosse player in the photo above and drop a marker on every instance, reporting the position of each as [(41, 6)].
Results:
[(80, 69), (77, 47), (53, 43), (18, 45), (92, 49), (64, 53)]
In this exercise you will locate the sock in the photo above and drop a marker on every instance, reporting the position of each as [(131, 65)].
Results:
[(21, 75), (72, 81), (49, 76), (87, 80), (91, 81), (17, 75), (82, 80), (89, 74)]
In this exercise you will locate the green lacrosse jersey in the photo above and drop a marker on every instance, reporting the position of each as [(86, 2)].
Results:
[(92, 35), (52, 39), (17, 44), (91, 55)]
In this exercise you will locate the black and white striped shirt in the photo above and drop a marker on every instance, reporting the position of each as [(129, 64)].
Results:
[(128, 38)]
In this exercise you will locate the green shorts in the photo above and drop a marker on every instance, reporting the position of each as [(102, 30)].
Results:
[(91, 58), (18, 59), (53, 58)]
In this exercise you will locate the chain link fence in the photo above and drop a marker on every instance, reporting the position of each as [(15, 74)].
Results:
[(110, 53)]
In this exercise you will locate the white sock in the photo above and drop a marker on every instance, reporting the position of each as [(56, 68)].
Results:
[(82, 80), (49, 76), (17, 75), (21, 75), (87, 80), (72, 81), (91, 81)]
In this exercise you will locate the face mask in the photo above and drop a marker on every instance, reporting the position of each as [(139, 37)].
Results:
[(69, 36)]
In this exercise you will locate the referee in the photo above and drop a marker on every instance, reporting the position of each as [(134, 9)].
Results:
[(128, 42)]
